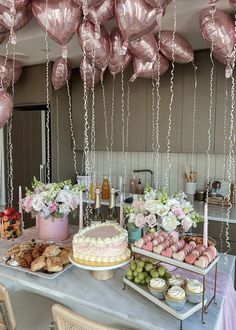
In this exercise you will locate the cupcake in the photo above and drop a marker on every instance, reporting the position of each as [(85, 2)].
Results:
[(177, 280), (175, 297), (194, 291), (157, 287)]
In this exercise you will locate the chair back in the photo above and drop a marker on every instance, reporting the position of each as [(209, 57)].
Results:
[(7, 316), (66, 319)]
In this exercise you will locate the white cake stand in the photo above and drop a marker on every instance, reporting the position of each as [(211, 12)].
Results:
[(99, 273)]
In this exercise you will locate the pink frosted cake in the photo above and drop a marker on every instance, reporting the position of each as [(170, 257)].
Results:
[(101, 245)]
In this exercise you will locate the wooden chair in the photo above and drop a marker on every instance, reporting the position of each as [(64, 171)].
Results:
[(24, 310), (65, 319), (7, 316)]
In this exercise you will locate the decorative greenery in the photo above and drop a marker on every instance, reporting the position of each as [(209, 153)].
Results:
[(158, 209), (52, 199)]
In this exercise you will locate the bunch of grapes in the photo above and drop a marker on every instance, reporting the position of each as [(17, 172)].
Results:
[(141, 271)]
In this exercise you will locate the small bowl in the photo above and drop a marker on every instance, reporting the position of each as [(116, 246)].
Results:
[(158, 293), (178, 305), (194, 298)]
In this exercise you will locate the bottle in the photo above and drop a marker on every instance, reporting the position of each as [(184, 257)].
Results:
[(92, 191), (133, 184), (97, 212), (112, 210), (139, 187), (105, 188)]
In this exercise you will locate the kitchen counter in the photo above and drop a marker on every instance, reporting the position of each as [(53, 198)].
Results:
[(217, 212)]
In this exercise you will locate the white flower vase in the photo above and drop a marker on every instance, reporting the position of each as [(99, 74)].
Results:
[(53, 229)]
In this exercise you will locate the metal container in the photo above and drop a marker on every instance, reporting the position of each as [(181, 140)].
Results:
[(200, 195)]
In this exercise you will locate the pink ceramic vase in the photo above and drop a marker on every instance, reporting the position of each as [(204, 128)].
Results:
[(54, 229)]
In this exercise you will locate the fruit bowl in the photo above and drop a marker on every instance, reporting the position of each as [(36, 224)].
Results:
[(10, 223)]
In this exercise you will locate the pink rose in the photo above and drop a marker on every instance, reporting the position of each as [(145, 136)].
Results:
[(186, 223), (138, 205), (178, 212), (140, 220), (54, 207), (151, 220), (27, 204)]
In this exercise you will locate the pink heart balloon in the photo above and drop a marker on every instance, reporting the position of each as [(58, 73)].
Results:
[(6, 107), (118, 60), (183, 52), (87, 72), (220, 31), (158, 3), (6, 69), (93, 46), (145, 47), (63, 18), (18, 20), (101, 13), (149, 69), (7, 4), (135, 18), (59, 74), (233, 3)]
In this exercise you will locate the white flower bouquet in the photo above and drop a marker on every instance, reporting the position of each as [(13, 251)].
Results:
[(158, 209), (53, 199)]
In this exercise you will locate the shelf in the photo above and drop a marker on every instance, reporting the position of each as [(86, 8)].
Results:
[(187, 311), (177, 263)]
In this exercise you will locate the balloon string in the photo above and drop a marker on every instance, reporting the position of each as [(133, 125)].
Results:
[(127, 130), (171, 101), (123, 126), (158, 99), (194, 115), (86, 142), (209, 131), (153, 125), (48, 115), (71, 122), (112, 125), (93, 125), (58, 140), (224, 158), (105, 120)]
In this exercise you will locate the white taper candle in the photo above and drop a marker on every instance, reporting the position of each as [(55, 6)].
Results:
[(205, 225), (121, 211), (81, 218)]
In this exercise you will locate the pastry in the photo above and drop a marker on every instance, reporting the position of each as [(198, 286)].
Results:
[(54, 264), (177, 280), (194, 291), (175, 297), (64, 256), (38, 264), (157, 287), (51, 251)]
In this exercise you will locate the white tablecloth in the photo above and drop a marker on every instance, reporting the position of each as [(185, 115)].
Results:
[(78, 290)]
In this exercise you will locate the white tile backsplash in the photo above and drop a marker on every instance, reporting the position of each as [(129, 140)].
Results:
[(143, 160)]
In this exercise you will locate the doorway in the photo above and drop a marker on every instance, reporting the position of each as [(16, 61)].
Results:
[(29, 141)]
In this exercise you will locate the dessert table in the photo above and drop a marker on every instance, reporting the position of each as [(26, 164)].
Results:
[(106, 301)]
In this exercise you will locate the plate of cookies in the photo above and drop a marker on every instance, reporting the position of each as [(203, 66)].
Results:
[(39, 258)]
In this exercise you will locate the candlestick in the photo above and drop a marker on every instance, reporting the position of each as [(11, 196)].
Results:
[(20, 206), (121, 211), (81, 218), (205, 225)]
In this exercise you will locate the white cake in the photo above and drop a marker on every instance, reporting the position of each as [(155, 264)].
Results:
[(101, 245)]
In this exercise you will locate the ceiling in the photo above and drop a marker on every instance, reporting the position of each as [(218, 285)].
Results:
[(30, 47)]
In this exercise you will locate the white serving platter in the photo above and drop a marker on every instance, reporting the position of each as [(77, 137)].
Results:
[(48, 276), (187, 311), (94, 268), (177, 263)]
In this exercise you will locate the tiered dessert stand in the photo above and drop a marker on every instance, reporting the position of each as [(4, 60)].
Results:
[(189, 308), (99, 273)]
